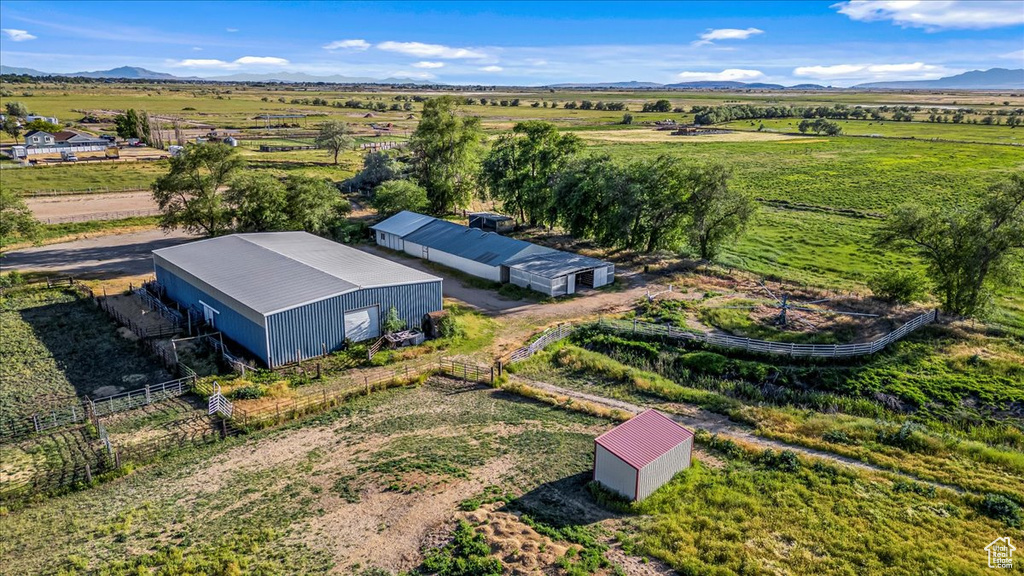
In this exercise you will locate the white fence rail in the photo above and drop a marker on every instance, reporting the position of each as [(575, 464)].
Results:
[(140, 397), (728, 341), (763, 346), (218, 404), (549, 336)]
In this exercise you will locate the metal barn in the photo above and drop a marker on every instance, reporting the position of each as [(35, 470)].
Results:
[(492, 256), (639, 456), (557, 273), (286, 296)]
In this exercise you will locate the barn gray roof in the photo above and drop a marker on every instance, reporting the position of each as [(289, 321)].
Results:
[(403, 223), (470, 243), (554, 263), (273, 271)]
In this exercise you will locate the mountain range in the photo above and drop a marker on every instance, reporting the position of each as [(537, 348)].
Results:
[(992, 79)]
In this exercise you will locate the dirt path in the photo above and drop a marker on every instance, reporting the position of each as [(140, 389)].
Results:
[(106, 256), (82, 207), (693, 417)]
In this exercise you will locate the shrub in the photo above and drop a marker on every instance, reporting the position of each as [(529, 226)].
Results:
[(900, 286), (836, 437), (705, 362), (449, 327), (467, 555), (1001, 508), (785, 461), (248, 392), (11, 279)]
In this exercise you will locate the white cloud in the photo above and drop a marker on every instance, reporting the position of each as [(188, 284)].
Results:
[(729, 75), (429, 50), (428, 65), (908, 71), (353, 44), (936, 15), (414, 75), (1018, 55), (231, 29), (18, 35), (210, 63), (536, 62), (197, 49), (713, 34), (491, 69)]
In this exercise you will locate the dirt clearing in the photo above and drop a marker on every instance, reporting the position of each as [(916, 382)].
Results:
[(83, 207)]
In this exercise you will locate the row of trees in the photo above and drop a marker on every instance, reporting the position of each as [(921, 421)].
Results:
[(207, 191)]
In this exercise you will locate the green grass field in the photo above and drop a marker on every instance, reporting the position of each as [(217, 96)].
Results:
[(57, 344), (915, 130)]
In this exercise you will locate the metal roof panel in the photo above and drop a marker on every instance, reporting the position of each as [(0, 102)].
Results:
[(644, 438)]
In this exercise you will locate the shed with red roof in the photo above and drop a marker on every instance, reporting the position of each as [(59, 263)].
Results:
[(638, 456)]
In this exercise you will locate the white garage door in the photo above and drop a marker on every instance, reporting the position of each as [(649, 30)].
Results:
[(362, 324)]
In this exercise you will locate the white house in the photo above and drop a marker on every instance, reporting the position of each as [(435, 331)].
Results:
[(39, 138)]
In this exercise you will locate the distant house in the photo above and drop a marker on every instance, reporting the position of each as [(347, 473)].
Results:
[(39, 138), (640, 455), (73, 138), (50, 119)]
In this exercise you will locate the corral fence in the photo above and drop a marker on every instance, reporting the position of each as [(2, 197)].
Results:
[(766, 347), (634, 326), (549, 336), (73, 410), (118, 215), (81, 191)]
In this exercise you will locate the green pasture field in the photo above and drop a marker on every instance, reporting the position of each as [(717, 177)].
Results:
[(99, 176), (917, 130), (57, 344)]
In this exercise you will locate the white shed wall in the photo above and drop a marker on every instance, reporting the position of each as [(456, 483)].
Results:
[(658, 473), (466, 265), (613, 473), (387, 240), (603, 276)]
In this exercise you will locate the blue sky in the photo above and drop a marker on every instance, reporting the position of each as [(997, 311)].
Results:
[(526, 43)]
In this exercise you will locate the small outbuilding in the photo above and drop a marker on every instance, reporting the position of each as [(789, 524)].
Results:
[(491, 222), (639, 456), (287, 296)]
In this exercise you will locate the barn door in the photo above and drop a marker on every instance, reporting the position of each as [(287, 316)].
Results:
[(362, 324)]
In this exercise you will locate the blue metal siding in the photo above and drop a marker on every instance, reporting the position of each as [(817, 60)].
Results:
[(234, 325), (311, 327)]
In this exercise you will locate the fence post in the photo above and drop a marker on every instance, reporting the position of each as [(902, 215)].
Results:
[(88, 473), (492, 375), (319, 374), (148, 398), (223, 428)]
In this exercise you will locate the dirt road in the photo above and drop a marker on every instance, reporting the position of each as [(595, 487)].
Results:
[(693, 417), (103, 257), (82, 207)]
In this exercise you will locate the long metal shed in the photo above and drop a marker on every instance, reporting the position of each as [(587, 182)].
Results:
[(640, 455), (492, 256), (285, 296)]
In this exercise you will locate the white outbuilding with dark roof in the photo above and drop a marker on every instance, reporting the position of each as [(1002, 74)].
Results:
[(492, 256), (291, 295)]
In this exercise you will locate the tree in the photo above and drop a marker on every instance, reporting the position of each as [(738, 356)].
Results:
[(659, 106), (896, 285), (334, 137), (627, 119), (519, 168), (716, 212), (640, 206), (396, 195), (969, 251), (15, 216), (393, 321), (11, 127), (445, 147), (259, 202), (378, 167), (314, 205), (131, 124), (189, 195), (16, 109), (40, 124)]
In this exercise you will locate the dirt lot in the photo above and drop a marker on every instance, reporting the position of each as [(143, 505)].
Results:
[(105, 257), (370, 488), (81, 207)]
